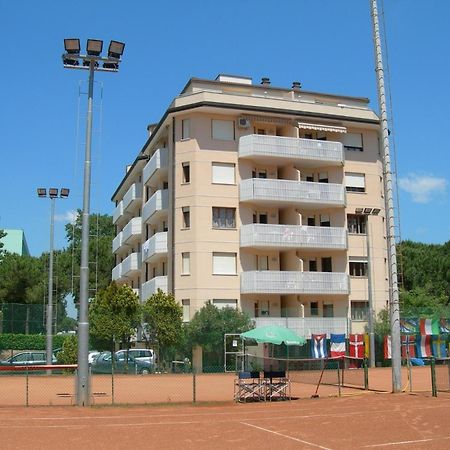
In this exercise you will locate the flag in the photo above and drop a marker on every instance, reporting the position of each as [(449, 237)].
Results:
[(356, 345), (409, 326), (408, 346), (337, 344), (428, 326), (444, 325), (439, 346), (423, 346), (367, 346), (387, 347), (319, 345)]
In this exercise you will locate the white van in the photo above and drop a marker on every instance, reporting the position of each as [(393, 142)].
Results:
[(139, 354)]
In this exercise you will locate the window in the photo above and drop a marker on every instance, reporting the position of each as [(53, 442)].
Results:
[(262, 308), (224, 263), (262, 262), (323, 177), (311, 221), (358, 267), (312, 265), (223, 217), (353, 142), (309, 177), (356, 223), (185, 129), (314, 309), (360, 310), (166, 185), (326, 265), (325, 220), (328, 310), (259, 173), (223, 173), (355, 182), (186, 262), (186, 172), (225, 303), (259, 217), (186, 309), (222, 130), (186, 217)]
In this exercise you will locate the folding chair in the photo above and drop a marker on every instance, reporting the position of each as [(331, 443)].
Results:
[(248, 386), (276, 386)]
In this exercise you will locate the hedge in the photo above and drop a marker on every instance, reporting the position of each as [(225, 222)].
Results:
[(28, 341)]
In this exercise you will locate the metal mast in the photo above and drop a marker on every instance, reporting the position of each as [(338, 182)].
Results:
[(394, 304)]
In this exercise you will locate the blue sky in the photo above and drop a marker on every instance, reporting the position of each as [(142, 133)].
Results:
[(325, 44)]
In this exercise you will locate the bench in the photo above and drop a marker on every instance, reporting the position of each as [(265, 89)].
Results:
[(72, 396)]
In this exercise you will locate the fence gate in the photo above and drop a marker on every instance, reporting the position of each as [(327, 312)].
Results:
[(233, 347)]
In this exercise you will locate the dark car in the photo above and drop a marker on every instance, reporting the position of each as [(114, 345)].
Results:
[(27, 359), (103, 364)]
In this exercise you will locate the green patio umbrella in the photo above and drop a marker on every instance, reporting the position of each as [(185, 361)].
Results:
[(273, 334)]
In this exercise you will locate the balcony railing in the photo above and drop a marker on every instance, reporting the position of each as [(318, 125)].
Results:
[(158, 162), (132, 230), (155, 205), (131, 264), (118, 212), (117, 242), (308, 151), (155, 247), (259, 235), (132, 197), (151, 286), (117, 272), (287, 192), (292, 282)]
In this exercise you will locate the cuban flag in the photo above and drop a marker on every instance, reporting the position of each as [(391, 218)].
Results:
[(409, 326), (337, 345), (408, 346), (356, 345), (439, 346), (429, 327), (423, 346), (319, 345), (387, 347)]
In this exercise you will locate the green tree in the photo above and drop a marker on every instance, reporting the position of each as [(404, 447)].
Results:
[(163, 317), (209, 325), (114, 314), (69, 351), (2, 235)]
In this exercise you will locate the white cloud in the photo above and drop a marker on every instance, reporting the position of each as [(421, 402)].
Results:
[(69, 216), (422, 187)]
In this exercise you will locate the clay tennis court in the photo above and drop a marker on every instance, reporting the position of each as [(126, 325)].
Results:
[(369, 420)]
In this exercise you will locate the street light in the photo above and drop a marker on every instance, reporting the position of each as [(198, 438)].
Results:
[(89, 61), (52, 194)]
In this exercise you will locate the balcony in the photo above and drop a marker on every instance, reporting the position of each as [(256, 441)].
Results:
[(117, 272), (156, 206), (265, 236), (117, 242), (307, 152), (157, 166), (118, 212), (305, 194), (292, 282), (132, 230), (155, 248), (132, 198), (150, 287), (131, 264)]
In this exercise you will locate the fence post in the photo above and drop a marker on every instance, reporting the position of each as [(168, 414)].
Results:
[(26, 388), (366, 374), (433, 377), (194, 387)]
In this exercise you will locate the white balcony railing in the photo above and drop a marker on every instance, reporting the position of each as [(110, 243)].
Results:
[(132, 197), (292, 282), (131, 264), (132, 230), (158, 162), (287, 192), (150, 287), (157, 203), (256, 146), (305, 326), (155, 247), (117, 242), (259, 235), (118, 212), (117, 272)]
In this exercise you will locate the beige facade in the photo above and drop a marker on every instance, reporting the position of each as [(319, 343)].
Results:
[(261, 198)]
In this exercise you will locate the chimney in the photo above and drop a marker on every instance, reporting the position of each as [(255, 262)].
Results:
[(265, 81), (296, 85)]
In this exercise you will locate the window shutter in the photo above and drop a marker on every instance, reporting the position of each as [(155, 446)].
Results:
[(356, 180), (224, 263), (223, 173), (223, 130), (353, 140)]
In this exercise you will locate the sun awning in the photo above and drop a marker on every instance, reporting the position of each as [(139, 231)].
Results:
[(321, 127)]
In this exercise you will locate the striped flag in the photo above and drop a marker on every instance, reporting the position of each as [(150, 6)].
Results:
[(409, 326), (428, 326), (408, 346), (439, 346), (423, 346), (387, 347), (337, 344), (319, 345)]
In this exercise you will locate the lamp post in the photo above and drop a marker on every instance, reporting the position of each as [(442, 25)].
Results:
[(89, 61), (52, 194)]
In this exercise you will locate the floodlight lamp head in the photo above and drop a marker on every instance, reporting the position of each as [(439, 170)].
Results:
[(42, 192), (53, 192), (72, 46), (94, 47), (115, 49), (64, 192)]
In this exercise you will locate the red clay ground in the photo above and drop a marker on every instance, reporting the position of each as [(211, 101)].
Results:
[(369, 420)]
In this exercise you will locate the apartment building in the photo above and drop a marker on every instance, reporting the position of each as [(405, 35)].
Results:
[(262, 198)]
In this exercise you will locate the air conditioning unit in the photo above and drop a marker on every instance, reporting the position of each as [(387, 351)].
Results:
[(243, 122)]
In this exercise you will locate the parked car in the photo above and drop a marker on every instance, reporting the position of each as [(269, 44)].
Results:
[(27, 358), (103, 364), (93, 356), (139, 354)]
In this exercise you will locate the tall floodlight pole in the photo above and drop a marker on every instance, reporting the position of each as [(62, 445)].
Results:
[(90, 61), (52, 194), (394, 303)]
